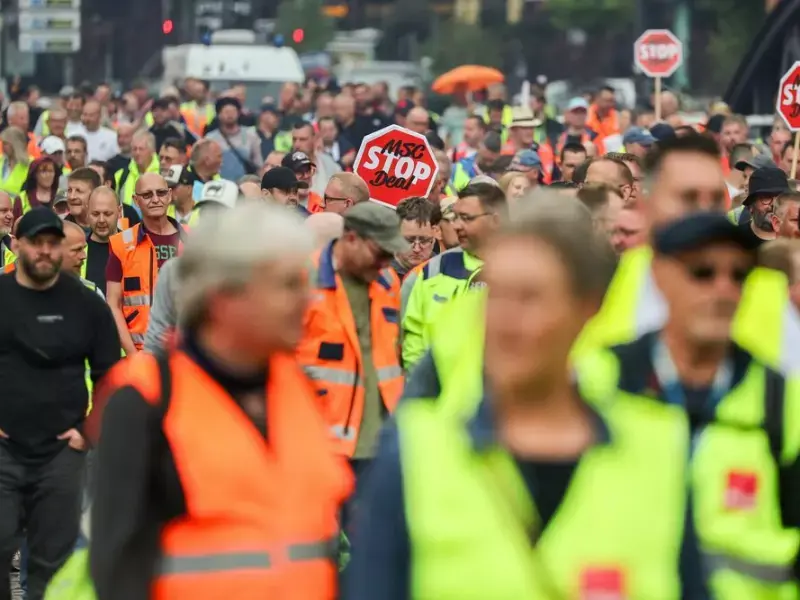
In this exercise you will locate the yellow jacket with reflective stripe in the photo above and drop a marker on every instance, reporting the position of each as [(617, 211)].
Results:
[(746, 550), (627, 311), (12, 184), (126, 193), (469, 514)]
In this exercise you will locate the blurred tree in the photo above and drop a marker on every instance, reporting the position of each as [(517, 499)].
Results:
[(736, 21), (318, 29), (461, 44), (592, 15), (403, 31)]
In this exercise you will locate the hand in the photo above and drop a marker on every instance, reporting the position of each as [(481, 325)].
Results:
[(3, 434), (76, 441)]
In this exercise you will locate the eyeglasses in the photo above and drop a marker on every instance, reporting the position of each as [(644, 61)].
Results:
[(422, 240), (150, 194), (709, 273), (469, 218), (327, 199)]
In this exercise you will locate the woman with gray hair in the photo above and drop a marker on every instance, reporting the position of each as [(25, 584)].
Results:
[(215, 475), (15, 160)]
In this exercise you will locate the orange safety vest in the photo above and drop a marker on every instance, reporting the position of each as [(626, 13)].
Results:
[(123, 224), (196, 120), (261, 516), (331, 355), (10, 267), (137, 254), (315, 202), (605, 126)]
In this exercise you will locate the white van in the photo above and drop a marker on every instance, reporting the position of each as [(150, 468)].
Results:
[(234, 57)]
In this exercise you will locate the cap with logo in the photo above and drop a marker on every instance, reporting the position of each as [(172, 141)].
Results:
[(179, 175), (377, 223), (297, 161), (220, 191), (446, 207), (281, 178), (39, 220), (52, 144), (699, 230)]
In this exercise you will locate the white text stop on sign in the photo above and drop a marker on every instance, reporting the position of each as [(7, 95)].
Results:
[(658, 52)]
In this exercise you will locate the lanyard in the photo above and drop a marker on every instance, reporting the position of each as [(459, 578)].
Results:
[(672, 388)]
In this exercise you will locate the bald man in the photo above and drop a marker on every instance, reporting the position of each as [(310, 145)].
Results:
[(613, 173), (135, 257), (418, 120), (343, 191), (104, 215), (327, 226), (250, 190)]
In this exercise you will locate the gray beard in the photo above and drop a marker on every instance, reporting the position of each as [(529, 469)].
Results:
[(762, 222)]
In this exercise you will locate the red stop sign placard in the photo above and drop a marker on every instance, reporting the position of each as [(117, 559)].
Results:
[(396, 163), (658, 53), (788, 102)]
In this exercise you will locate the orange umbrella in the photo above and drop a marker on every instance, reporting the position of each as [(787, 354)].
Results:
[(467, 78)]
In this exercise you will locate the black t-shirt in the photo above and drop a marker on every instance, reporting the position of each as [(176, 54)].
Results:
[(130, 213), (46, 337), (745, 226), (96, 260)]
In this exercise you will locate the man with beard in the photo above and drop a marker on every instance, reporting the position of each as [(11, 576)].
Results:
[(54, 325), (786, 215), (766, 184)]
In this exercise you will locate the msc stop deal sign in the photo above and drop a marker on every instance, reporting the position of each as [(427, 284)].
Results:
[(396, 163), (789, 97), (658, 53)]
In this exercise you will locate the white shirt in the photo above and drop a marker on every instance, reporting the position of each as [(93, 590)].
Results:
[(74, 128), (100, 144)]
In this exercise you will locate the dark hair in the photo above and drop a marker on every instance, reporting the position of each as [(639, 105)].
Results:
[(502, 164), (434, 140), (420, 210), (594, 196), (692, 144), (608, 88), (479, 120), (572, 147), (78, 138), (326, 119), (303, 125), (686, 131), (579, 176), (495, 105), (76, 96), (491, 197), (173, 142), (86, 174), (563, 185), (787, 146), (106, 176)]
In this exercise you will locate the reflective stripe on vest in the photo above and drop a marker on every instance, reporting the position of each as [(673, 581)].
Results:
[(330, 351), (237, 561), (137, 300), (226, 530), (716, 563)]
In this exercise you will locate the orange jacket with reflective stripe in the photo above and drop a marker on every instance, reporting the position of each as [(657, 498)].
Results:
[(137, 254), (604, 126), (331, 355), (261, 516)]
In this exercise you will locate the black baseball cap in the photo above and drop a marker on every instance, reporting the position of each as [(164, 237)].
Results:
[(282, 178), (699, 230), (297, 161), (39, 220)]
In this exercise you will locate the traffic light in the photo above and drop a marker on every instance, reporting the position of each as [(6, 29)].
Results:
[(298, 35), (167, 26)]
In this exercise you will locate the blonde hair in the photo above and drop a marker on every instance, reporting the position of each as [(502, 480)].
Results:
[(507, 179), (18, 140), (353, 186)]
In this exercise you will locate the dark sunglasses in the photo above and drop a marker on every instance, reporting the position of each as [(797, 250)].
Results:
[(709, 273), (149, 194)]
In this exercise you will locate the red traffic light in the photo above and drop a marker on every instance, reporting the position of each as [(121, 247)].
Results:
[(298, 35), (167, 26)]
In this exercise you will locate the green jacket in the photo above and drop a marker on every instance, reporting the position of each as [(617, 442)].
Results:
[(425, 291)]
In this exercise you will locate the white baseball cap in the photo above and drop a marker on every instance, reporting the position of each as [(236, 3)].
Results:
[(52, 144), (221, 191)]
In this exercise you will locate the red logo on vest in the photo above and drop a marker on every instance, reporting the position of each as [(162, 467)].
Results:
[(602, 584), (741, 491)]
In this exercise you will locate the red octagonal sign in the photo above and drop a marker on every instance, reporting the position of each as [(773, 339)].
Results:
[(396, 163), (658, 53), (788, 104)]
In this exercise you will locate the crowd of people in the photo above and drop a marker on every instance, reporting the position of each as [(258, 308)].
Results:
[(571, 371)]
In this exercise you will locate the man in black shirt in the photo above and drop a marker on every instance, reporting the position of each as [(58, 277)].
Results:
[(103, 215), (766, 184), (52, 326)]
